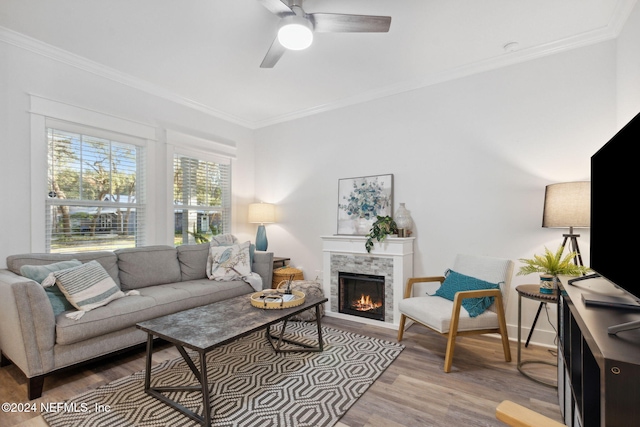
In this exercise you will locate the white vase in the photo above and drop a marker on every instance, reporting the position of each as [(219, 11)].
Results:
[(403, 218), (363, 226)]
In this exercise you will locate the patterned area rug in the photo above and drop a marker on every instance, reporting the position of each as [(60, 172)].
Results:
[(250, 384)]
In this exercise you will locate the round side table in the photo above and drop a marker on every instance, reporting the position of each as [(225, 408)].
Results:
[(533, 292)]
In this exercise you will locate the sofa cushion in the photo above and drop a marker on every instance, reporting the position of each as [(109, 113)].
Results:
[(86, 287), (148, 266), (153, 301), (435, 312), (193, 261), (108, 260), (206, 289), (58, 301)]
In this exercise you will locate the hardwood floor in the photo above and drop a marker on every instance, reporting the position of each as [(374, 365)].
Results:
[(413, 391)]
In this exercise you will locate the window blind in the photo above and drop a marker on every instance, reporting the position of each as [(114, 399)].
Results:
[(201, 198), (95, 198)]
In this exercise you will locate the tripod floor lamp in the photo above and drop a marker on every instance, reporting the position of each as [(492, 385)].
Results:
[(262, 213), (566, 204)]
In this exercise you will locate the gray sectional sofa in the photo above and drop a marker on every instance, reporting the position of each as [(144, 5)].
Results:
[(168, 279)]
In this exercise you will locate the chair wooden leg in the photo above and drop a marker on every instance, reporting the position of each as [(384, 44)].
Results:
[(403, 318), (453, 331), (448, 357), (503, 332)]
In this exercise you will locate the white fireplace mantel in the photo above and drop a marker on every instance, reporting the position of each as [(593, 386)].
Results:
[(349, 253)]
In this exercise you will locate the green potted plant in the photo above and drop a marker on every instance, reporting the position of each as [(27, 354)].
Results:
[(381, 228), (550, 266)]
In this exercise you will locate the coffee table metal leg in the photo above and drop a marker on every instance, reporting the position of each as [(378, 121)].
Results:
[(201, 376), (147, 372), (206, 400), (320, 342), (305, 347)]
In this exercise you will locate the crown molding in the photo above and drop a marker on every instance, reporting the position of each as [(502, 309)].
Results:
[(608, 32)]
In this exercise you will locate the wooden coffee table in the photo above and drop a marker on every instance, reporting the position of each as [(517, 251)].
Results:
[(204, 328)]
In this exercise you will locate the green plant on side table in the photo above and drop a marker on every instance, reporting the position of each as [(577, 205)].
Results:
[(381, 228), (550, 266)]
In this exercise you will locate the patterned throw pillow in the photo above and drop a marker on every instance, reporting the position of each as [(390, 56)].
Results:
[(86, 287), (456, 282), (223, 240), (229, 262), (40, 272)]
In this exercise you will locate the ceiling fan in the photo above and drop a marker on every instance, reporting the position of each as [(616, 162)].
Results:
[(297, 27)]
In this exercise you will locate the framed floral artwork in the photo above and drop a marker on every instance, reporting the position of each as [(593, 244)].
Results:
[(361, 200)]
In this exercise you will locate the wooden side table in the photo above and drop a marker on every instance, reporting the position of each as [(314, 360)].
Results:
[(280, 262), (532, 292)]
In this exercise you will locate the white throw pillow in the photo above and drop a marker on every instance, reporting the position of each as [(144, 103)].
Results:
[(229, 262), (86, 287)]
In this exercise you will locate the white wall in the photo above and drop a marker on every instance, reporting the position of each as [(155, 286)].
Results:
[(470, 158), (628, 71), (23, 73)]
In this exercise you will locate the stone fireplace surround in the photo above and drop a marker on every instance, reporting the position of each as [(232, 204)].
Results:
[(392, 259)]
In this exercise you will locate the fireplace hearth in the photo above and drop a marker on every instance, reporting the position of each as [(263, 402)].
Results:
[(361, 295)]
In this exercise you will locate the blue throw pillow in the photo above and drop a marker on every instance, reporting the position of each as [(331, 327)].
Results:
[(456, 282), (58, 301)]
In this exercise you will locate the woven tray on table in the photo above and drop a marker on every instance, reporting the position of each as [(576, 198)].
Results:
[(272, 299)]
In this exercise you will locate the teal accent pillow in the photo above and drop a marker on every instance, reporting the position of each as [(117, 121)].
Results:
[(456, 282), (38, 273)]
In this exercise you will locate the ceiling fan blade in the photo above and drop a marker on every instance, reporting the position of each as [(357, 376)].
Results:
[(340, 23), (276, 7), (274, 53)]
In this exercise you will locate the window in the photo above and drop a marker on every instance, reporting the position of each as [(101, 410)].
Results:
[(95, 197), (201, 198)]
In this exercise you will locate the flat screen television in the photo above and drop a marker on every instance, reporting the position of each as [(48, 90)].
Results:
[(615, 171)]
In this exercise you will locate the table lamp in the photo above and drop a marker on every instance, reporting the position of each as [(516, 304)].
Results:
[(262, 213), (568, 204)]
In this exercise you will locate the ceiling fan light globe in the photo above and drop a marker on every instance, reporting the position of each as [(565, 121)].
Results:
[(296, 34)]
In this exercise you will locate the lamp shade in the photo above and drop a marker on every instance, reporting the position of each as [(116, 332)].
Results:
[(567, 204), (262, 213)]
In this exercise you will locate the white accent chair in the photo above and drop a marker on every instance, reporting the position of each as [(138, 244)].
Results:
[(449, 318)]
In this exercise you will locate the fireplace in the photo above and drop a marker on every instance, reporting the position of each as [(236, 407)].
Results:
[(361, 295)]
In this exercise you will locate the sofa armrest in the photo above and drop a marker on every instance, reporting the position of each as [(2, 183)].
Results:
[(263, 265), (27, 324)]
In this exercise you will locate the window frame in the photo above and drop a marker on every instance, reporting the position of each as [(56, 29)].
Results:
[(43, 112), (179, 143), (85, 134)]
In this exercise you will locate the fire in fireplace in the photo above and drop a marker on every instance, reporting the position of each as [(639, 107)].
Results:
[(361, 295)]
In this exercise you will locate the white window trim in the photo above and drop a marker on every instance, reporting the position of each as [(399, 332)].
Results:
[(43, 109)]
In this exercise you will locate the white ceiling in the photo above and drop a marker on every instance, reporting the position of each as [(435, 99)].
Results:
[(206, 53)]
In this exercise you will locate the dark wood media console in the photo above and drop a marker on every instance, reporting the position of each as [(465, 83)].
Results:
[(598, 373)]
